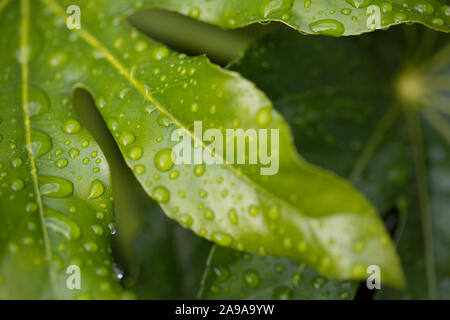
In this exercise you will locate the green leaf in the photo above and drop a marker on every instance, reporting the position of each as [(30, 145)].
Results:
[(326, 17), (55, 194), (360, 118), (144, 91), (231, 274)]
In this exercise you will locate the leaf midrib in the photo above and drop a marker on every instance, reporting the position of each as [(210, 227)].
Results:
[(24, 40)]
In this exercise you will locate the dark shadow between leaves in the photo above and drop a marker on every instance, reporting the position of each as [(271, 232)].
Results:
[(193, 37)]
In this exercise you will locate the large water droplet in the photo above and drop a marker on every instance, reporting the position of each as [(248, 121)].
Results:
[(232, 216), (264, 116), (221, 238), (60, 223), (328, 27), (55, 187), (96, 189), (160, 53), (126, 138), (71, 126), (38, 101), (251, 278), (40, 143), (163, 160), (221, 273), (161, 194)]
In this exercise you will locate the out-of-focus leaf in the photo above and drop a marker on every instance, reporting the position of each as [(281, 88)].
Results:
[(235, 275), (327, 17), (356, 112)]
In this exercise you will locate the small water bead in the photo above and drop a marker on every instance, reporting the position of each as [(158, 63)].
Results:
[(98, 230), (57, 59), (224, 193), (194, 107), (135, 153), (282, 293), (221, 238), (386, 7), (253, 210), (41, 143), (233, 216), (358, 246), (399, 17), (160, 53), (161, 194), (446, 10), (302, 246), (318, 282), (359, 3), (307, 4), (141, 46), (17, 184), (251, 278), (437, 21), (174, 174), (38, 101), (71, 127), (344, 295), (185, 219), (287, 243), (209, 214), (139, 169), (164, 160), (194, 12), (164, 121), (264, 116), (358, 270), (17, 162), (424, 8), (90, 246), (346, 11), (126, 138), (328, 27), (61, 163), (86, 160), (203, 193), (55, 187), (274, 212), (221, 273), (61, 224), (96, 189), (31, 207), (199, 169)]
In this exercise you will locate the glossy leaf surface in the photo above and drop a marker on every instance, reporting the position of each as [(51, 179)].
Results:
[(326, 17)]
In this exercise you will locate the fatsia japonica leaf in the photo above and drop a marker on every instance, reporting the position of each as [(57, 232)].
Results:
[(146, 93), (232, 274), (327, 17), (379, 118)]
